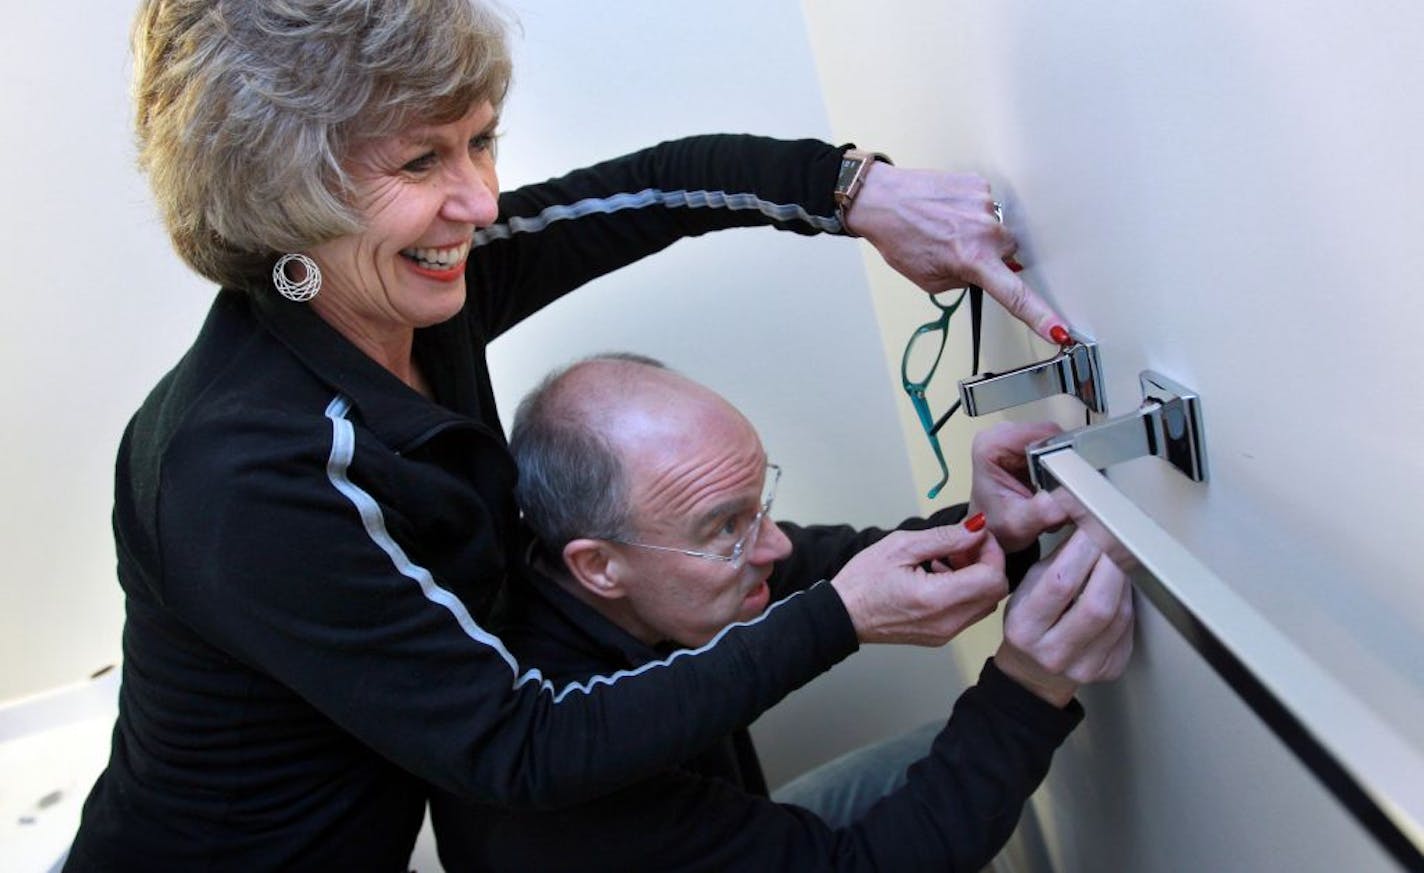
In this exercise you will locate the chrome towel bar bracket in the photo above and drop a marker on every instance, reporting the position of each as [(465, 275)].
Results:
[(1076, 370), (1168, 425)]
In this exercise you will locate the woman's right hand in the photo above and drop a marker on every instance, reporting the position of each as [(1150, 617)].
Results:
[(923, 587), (941, 230)]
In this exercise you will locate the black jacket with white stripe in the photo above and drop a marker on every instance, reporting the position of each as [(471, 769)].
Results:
[(308, 550)]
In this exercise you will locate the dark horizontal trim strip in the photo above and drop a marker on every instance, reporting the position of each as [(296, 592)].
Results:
[(1297, 737)]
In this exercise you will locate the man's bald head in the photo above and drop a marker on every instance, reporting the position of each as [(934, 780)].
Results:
[(573, 434)]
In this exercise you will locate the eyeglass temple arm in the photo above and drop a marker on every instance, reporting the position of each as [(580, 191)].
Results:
[(944, 469), (944, 419), (922, 409)]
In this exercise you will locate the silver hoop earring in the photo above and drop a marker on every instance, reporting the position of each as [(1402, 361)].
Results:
[(297, 292)]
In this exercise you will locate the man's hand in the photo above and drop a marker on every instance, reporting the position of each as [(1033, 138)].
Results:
[(1069, 623), (939, 231), (893, 598), (1000, 488)]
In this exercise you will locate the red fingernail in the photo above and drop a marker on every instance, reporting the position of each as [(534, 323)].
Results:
[(1059, 333), (975, 524), (1013, 265)]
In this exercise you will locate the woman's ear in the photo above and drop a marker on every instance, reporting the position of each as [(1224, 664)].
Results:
[(597, 567)]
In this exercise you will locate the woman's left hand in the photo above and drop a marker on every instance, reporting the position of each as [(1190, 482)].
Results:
[(940, 231)]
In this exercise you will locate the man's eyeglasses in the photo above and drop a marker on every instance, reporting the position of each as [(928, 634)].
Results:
[(921, 359), (742, 537)]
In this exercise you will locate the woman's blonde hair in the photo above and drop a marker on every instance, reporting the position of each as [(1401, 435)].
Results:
[(247, 108)]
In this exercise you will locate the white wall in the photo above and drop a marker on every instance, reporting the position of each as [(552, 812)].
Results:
[(99, 308), (1229, 193)]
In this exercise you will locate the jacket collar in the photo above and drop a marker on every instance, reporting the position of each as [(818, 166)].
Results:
[(398, 415), (556, 613)]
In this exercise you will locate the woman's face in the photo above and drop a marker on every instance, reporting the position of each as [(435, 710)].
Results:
[(422, 194)]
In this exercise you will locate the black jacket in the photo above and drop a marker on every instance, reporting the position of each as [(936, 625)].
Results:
[(711, 813), (308, 550)]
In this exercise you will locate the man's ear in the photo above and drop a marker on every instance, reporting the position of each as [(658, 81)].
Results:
[(597, 567)]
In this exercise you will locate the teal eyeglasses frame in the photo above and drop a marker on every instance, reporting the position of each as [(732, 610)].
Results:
[(916, 388)]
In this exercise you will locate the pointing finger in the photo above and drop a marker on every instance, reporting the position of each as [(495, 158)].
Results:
[(1018, 298)]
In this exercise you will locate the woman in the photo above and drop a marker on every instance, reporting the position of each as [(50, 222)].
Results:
[(313, 509)]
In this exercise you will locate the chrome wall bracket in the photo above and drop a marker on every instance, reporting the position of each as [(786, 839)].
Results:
[(1168, 424), (1075, 370)]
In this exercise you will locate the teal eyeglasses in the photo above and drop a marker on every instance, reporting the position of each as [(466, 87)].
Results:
[(921, 359)]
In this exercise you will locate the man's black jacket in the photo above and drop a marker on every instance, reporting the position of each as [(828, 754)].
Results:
[(712, 813)]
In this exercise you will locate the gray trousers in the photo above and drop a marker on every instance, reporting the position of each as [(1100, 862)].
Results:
[(842, 790)]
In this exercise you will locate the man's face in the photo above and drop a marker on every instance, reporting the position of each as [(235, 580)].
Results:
[(699, 490)]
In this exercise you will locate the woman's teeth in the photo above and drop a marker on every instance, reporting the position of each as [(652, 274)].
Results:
[(438, 259)]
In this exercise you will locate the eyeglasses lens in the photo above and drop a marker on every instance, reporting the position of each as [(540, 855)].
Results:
[(922, 355)]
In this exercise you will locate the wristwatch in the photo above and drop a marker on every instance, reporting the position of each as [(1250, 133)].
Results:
[(855, 164)]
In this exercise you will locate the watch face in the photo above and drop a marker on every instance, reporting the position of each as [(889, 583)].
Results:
[(848, 168)]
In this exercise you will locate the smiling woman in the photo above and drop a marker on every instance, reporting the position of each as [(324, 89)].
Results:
[(314, 511), (421, 194), (307, 546), (259, 165)]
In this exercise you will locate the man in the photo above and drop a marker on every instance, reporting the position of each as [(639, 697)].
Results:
[(649, 495)]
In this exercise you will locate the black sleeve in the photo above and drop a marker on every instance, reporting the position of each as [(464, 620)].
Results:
[(820, 551), (554, 236), (291, 560), (958, 808)]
